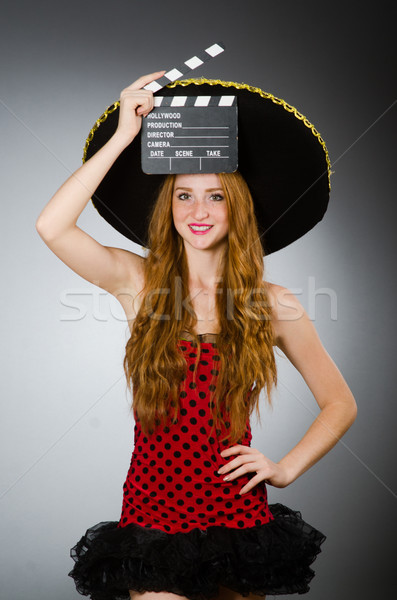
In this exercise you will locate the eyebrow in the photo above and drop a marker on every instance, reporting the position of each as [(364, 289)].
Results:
[(207, 190)]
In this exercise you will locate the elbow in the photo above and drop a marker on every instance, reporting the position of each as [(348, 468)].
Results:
[(350, 410), (41, 227), (345, 410), (51, 228), (353, 415), (352, 404), (45, 231)]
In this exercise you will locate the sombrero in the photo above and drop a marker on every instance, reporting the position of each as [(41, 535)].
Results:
[(281, 155)]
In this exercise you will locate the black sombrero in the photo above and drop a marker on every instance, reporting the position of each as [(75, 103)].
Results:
[(288, 175)]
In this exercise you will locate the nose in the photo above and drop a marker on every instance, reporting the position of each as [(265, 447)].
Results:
[(200, 211)]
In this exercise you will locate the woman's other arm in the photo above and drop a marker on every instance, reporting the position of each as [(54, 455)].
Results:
[(296, 336)]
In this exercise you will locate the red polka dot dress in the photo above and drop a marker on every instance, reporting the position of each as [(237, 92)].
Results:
[(183, 528), (173, 484)]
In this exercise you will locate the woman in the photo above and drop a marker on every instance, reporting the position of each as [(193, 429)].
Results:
[(195, 519)]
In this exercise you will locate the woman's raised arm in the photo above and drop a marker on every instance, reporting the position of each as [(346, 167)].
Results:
[(109, 268)]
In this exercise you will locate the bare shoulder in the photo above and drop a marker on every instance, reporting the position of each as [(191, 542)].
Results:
[(285, 309)]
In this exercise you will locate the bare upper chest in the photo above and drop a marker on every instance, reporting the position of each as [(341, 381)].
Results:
[(202, 300)]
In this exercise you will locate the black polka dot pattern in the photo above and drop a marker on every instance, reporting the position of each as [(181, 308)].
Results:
[(172, 483)]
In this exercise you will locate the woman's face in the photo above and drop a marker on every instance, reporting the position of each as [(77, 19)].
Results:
[(198, 200)]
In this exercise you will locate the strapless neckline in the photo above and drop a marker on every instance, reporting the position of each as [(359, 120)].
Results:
[(186, 336)]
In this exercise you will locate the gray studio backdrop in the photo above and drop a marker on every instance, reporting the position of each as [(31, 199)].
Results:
[(66, 433)]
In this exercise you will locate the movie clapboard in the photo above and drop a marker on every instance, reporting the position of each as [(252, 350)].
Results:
[(190, 134)]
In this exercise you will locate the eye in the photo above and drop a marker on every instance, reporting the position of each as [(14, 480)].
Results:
[(183, 196), (216, 197)]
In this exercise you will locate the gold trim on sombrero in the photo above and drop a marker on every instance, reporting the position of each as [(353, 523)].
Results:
[(101, 119)]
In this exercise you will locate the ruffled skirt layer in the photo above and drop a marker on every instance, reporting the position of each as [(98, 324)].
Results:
[(268, 559)]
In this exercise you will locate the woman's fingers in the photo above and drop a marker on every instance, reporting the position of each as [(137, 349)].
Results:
[(146, 105), (251, 484), (144, 80), (239, 466), (135, 102), (135, 98)]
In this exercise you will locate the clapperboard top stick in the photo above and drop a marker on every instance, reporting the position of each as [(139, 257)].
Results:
[(185, 68)]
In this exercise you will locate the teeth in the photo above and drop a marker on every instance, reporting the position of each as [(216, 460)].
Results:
[(200, 228)]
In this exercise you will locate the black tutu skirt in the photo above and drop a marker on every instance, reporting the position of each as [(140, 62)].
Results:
[(272, 559)]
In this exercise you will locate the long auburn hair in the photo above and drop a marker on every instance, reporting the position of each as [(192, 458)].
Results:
[(154, 365)]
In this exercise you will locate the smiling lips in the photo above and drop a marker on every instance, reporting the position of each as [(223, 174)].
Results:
[(200, 229)]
